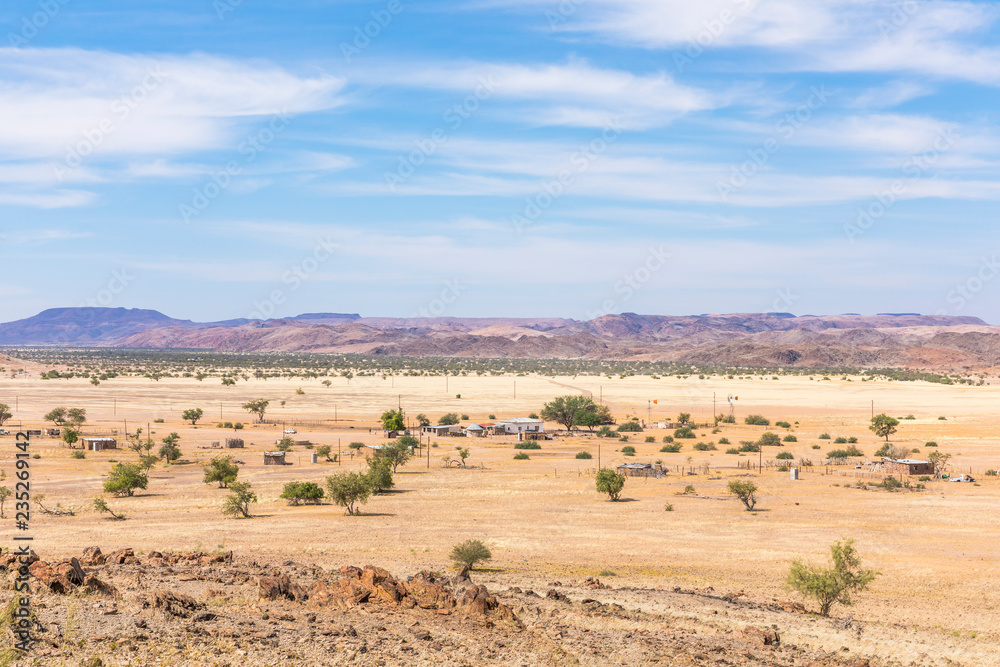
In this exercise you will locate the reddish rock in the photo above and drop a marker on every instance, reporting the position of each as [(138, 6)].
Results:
[(428, 592), (477, 601), (93, 556), (48, 577), (353, 591), (95, 585), (272, 588), (761, 637), (122, 557), (169, 602), (71, 570)]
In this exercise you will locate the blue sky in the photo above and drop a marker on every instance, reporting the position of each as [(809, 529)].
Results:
[(230, 159)]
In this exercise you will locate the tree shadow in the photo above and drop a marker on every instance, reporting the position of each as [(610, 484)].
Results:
[(375, 514), (627, 500)]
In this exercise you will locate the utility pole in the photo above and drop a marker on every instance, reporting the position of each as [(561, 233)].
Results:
[(515, 389), (649, 410), (602, 394), (598, 456), (714, 413), (115, 406), (873, 408)]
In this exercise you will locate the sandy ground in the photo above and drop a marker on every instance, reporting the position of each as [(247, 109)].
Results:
[(936, 549)]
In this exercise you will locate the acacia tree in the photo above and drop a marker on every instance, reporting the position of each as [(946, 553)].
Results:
[(393, 420), (746, 491), (56, 415), (221, 470), (70, 437), (567, 410), (257, 407), (124, 479), (940, 461), (610, 482), (238, 502), (831, 585), (5, 413), (348, 489), (398, 453), (883, 426), (77, 417), (683, 418), (170, 451), (422, 420), (192, 415)]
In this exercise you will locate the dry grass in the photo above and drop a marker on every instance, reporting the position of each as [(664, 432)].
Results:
[(937, 549)]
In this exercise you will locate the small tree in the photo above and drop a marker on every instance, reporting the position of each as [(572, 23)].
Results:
[(422, 420), (883, 426), (757, 420), (610, 482), (769, 439), (449, 419), (5, 493), (102, 507), (684, 418), (393, 420), (379, 474), (463, 453), (348, 489), (221, 470), (56, 415), (5, 413), (257, 407), (302, 492), (170, 451), (147, 461), (746, 491), (590, 420), (238, 502), (829, 586), (285, 444), (398, 453), (324, 451), (77, 417), (567, 410), (192, 415), (470, 552), (124, 479), (70, 437), (940, 461)]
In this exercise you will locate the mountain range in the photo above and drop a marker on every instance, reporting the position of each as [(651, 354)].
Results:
[(747, 339)]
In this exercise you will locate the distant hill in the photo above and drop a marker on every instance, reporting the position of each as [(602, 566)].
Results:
[(757, 339)]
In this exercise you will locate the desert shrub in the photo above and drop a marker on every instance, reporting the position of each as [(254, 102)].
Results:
[(732, 450), (470, 552), (723, 441), (824, 436), (79, 454), (943, 418), (667, 439), (124, 479), (610, 482), (158, 421), (783, 424), (684, 432), (931, 444), (909, 417), (302, 492), (689, 490), (324, 451), (891, 484), (628, 450), (584, 455), (789, 438), (630, 427), (238, 426), (815, 447), (379, 474), (852, 440), (449, 419), (840, 441), (238, 502), (836, 584), (745, 491), (785, 456), (605, 432), (650, 438), (769, 439), (465, 417), (756, 420), (348, 490), (527, 445), (668, 507), (850, 452), (521, 456), (285, 444), (356, 445), (926, 478), (221, 470), (749, 446), (623, 438), (989, 473), (705, 447), (672, 448)]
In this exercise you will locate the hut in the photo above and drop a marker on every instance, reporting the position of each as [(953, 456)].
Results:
[(907, 467), (99, 444), (274, 459), (234, 443), (55, 432), (641, 470), (474, 431)]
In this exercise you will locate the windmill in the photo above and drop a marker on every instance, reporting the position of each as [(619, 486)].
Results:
[(732, 408)]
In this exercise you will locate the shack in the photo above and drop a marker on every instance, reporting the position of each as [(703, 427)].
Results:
[(234, 443), (474, 431), (99, 444), (442, 430), (55, 432), (907, 467), (274, 459), (641, 470)]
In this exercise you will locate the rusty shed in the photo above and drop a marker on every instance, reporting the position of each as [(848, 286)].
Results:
[(99, 444), (234, 443), (907, 467), (274, 459)]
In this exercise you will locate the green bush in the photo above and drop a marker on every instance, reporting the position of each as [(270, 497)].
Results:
[(732, 450), (815, 447), (522, 456), (749, 446), (79, 454), (756, 420), (348, 489), (623, 438), (671, 448), (302, 492), (685, 432), (989, 473), (667, 439), (769, 439), (583, 455), (628, 450), (610, 482), (705, 447), (785, 456), (630, 427), (650, 438), (783, 424), (852, 440), (850, 452), (470, 552), (604, 432), (840, 441), (789, 438), (723, 441), (124, 479), (931, 444), (926, 478), (824, 436), (527, 445), (829, 586), (746, 491), (237, 503)]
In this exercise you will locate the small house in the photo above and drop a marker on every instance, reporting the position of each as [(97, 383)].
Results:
[(99, 444), (234, 443), (907, 467), (55, 432), (474, 431), (520, 425), (442, 430), (274, 459), (641, 470)]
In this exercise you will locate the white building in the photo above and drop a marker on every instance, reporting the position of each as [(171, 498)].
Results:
[(519, 425)]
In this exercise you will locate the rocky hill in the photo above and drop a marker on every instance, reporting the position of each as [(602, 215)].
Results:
[(758, 339)]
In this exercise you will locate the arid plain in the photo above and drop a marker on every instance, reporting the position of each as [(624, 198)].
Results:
[(937, 549)]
